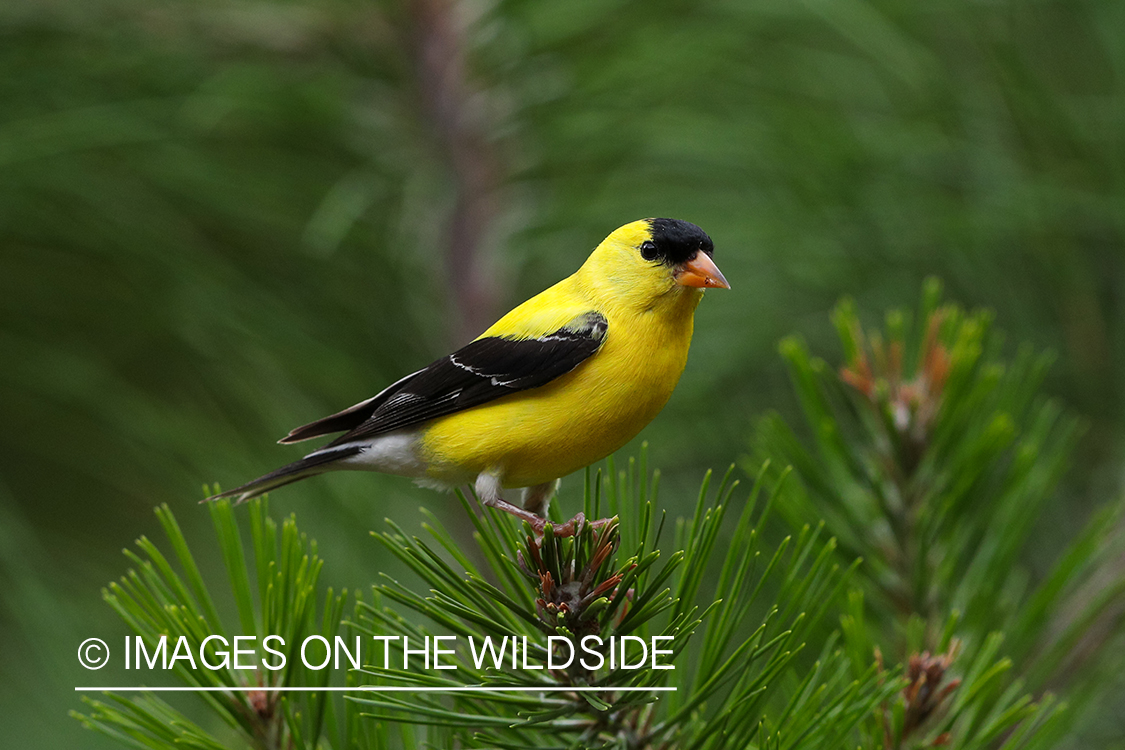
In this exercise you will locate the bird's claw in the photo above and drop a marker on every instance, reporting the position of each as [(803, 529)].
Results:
[(570, 528), (538, 523)]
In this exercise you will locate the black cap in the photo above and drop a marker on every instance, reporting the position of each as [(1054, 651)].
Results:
[(674, 241)]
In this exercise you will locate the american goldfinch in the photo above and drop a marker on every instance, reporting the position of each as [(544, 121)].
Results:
[(558, 383)]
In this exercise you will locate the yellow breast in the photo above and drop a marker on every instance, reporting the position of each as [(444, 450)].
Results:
[(541, 434)]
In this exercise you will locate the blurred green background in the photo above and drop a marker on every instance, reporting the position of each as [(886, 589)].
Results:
[(220, 220)]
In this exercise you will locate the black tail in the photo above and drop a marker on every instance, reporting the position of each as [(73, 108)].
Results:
[(310, 465)]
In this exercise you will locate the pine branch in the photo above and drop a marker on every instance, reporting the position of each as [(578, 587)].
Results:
[(932, 458), (734, 628)]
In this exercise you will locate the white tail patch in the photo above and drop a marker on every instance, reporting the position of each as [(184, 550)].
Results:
[(396, 452)]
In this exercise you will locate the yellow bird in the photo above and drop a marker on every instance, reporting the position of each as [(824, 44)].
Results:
[(559, 383)]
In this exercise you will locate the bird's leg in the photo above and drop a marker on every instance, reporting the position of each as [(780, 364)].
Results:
[(537, 522), (536, 499), (488, 489), (570, 528)]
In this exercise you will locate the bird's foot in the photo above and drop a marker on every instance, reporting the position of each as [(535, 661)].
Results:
[(571, 527), (539, 523)]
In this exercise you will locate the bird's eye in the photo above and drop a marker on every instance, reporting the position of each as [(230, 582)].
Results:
[(648, 250)]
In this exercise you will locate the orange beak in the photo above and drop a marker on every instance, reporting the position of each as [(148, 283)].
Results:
[(701, 271)]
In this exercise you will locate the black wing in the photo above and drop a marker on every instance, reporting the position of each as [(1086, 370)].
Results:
[(482, 371)]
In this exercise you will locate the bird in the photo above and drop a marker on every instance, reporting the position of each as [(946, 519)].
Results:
[(559, 383)]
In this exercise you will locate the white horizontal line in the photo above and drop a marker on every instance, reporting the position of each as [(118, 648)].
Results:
[(379, 688)]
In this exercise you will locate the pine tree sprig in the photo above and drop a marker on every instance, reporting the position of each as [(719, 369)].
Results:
[(931, 457)]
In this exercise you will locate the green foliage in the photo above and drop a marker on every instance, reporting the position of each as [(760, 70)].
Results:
[(155, 601), (933, 459), (737, 683), (729, 681)]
